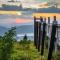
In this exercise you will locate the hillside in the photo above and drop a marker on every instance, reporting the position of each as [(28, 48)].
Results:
[(19, 29), (25, 29)]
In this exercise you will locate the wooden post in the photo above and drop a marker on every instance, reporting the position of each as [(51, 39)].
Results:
[(48, 23), (56, 36), (34, 30), (39, 37), (43, 36), (37, 34), (53, 33), (48, 32)]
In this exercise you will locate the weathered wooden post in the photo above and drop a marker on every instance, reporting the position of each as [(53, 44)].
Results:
[(43, 36), (39, 37), (48, 23), (53, 33), (36, 32), (56, 42), (48, 32)]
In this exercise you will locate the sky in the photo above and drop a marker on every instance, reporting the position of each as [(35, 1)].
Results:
[(12, 20), (25, 0), (34, 0)]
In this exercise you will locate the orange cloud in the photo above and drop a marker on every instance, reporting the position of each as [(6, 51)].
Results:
[(46, 15), (22, 20)]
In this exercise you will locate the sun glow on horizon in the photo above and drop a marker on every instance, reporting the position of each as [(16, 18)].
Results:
[(22, 20), (11, 12), (46, 15)]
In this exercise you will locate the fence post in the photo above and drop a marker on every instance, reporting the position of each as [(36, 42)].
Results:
[(34, 30), (56, 36), (39, 37), (43, 36), (48, 32), (37, 31), (53, 33)]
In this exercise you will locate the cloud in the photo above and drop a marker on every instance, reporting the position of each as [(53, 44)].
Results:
[(7, 21), (22, 20), (27, 0)]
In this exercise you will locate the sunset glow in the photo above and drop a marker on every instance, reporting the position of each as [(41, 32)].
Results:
[(46, 15), (11, 12), (22, 20)]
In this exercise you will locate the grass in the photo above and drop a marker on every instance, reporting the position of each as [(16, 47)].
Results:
[(28, 52), (20, 51)]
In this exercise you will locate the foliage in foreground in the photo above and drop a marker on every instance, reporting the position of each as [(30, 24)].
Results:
[(29, 52), (22, 50), (6, 44)]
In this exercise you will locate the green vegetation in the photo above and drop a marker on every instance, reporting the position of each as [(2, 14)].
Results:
[(10, 49)]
